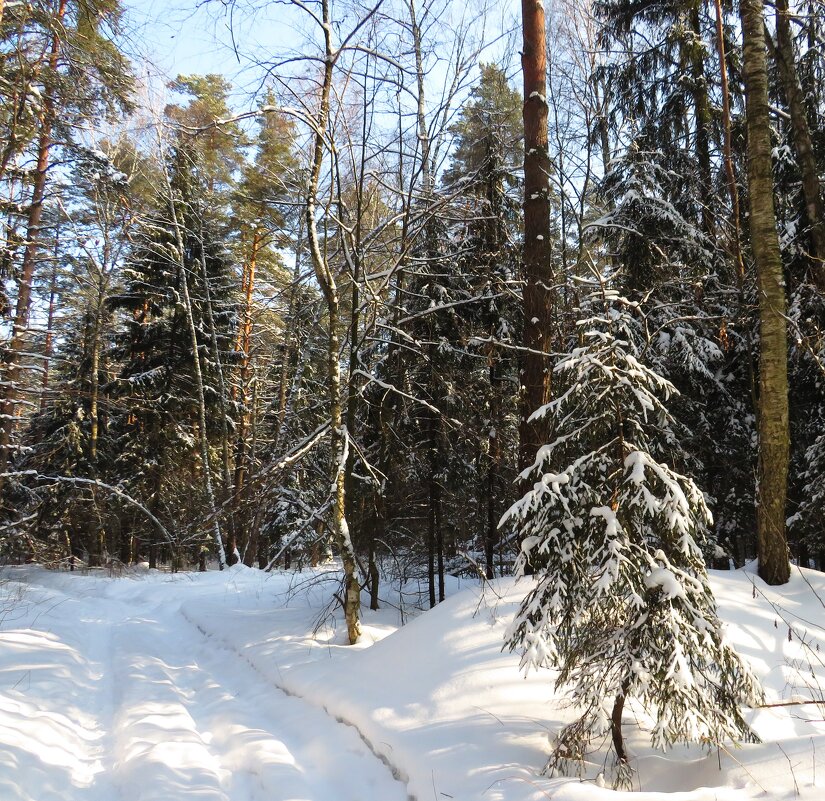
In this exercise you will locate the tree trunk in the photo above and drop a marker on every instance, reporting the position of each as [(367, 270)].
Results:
[(701, 105), (374, 576), (538, 277), (48, 348), (733, 190), (288, 347), (496, 425), (241, 467), (600, 97), (226, 469), (774, 567), (439, 543), (431, 527), (329, 288), (94, 392), (803, 144), (616, 726)]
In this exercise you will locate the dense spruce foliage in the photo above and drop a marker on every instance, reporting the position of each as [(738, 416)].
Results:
[(618, 536)]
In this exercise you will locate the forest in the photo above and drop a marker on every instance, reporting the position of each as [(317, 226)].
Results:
[(211, 316), (453, 290)]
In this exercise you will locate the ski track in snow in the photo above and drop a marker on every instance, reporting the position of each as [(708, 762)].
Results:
[(224, 645), (163, 712)]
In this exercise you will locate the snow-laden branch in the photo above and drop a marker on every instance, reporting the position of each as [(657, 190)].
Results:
[(93, 482)]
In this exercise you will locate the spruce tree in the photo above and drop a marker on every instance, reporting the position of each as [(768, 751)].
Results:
[(621, 606), (159, 426), (483, 176)]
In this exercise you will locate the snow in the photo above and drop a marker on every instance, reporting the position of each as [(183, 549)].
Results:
[(668, 583), (213, 687)]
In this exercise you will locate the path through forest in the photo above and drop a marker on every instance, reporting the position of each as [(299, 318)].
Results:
[(159, 687), (122, 698)]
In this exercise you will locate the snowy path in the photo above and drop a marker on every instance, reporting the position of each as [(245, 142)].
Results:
[(162, 713)]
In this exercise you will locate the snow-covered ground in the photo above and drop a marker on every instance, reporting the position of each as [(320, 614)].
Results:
[(235, 686)]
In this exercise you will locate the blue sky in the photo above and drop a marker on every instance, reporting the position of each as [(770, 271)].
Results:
[(174, 38), (197, 37)]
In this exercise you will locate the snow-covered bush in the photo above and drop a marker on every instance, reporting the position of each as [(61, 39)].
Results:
[(621, 605)]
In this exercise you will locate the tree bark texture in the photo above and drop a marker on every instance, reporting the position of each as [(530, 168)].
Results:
[(772, 546), (326, 280), (538, 278), (733, 189), (702, 111)]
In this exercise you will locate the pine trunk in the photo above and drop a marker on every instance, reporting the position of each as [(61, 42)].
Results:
[(288, 348), (538, 276), (774, 567), (48, 348)]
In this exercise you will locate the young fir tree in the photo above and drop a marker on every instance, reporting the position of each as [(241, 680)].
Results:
[(621, 606)]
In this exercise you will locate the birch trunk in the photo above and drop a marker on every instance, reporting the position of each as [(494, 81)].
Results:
[(326, 280)]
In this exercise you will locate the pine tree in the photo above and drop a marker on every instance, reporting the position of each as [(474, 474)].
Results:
[(215, 149), (621, 606), (537, 294), (64, 71), (264, 220)]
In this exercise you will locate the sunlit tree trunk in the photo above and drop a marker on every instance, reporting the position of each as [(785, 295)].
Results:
[(326, 280), (48, 348), (538, 275), (803, 143), (774, 567)]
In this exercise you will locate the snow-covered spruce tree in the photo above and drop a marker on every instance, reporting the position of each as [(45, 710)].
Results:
[(621, 605)]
